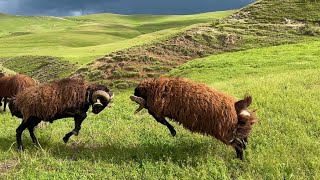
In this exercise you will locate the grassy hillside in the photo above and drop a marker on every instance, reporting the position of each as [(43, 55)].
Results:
[(42, 68), (251, 27), (284, 82), (84, 38)]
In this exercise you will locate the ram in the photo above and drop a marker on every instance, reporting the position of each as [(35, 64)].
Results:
[(198, 108), (11, 85), (56, 100)]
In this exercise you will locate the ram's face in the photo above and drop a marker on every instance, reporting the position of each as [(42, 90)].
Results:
[(140, 97), (243, 113), (101, 98), (140, 91)]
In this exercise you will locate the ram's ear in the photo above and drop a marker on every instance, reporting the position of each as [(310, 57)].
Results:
[(243, 104)]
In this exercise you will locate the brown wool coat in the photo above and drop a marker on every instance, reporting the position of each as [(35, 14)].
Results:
[(47, 100), (11, 85), (196, 106)]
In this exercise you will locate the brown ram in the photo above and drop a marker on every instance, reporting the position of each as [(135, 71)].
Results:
[(198, 108), (56, 100), (11, 85)]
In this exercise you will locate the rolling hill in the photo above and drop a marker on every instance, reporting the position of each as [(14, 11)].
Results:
[(79, 40), (245, 29)]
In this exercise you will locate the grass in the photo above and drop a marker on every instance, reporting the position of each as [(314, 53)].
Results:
[(84, 38), (42, 68), (284, 82), (305, 11)]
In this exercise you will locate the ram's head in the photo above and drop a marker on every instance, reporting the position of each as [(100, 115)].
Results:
[(142, 103)]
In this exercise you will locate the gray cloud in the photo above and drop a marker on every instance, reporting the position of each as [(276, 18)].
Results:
[(78, 7)]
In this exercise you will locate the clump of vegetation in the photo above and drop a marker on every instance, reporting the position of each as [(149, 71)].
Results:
[(42, 68), (310, 30)]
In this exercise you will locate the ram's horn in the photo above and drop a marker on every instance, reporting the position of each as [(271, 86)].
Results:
[(140, 101), (245, 113), (100, 94)]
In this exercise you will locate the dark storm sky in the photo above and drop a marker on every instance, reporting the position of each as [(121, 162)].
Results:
[(78, 7)]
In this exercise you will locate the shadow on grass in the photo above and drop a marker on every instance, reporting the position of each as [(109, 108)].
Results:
[(180, 152)]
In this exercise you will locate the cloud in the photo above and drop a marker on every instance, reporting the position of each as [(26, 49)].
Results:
[(79, 7)]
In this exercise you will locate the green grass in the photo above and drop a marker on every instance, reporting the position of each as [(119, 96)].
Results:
[(284, 82), (305, 11), (42, 68), (84, 38)]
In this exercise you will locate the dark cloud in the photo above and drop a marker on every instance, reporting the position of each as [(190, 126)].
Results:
[(78, 7)]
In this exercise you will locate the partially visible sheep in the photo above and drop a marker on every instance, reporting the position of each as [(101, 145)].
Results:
[(56, 100), (11, 85), (3, 81), (198, 108)]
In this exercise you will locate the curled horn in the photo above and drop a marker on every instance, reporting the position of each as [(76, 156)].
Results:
[(100, 94), (140, 101)]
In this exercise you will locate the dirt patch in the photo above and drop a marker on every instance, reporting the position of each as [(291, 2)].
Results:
[(8, 165)]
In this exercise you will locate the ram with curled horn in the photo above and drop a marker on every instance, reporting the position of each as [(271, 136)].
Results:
[(198, 108), (56, 100)]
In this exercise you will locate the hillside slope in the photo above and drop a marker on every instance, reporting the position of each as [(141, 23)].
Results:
[(81, 39), (75, 41), (42, 68), (252, 27)]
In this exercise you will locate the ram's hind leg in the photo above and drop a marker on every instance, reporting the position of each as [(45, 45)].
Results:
[(4, 103), (163, 121), (33, 123), (19, 132)]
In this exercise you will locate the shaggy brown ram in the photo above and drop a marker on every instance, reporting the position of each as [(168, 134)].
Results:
[(198, 108), (56, 100), (11, 85)]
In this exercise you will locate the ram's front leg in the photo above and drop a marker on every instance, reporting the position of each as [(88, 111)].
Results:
[(163, 121), (4, 103), (77, 122)]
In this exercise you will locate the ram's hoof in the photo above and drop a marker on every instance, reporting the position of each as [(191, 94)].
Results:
[(75, 133), (173, 133), (65, 139), (20, 148)]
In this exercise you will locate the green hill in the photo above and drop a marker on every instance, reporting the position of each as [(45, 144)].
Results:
[(81, 39), (42, 68), (245, 29)]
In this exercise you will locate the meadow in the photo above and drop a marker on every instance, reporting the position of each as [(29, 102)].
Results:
[(82, 39), (277, 62), (284, 82)]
